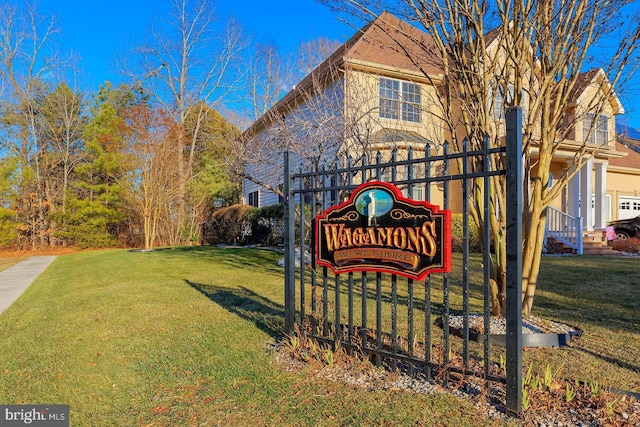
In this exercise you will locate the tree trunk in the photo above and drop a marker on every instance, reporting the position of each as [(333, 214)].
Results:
[(147, 230), (183, 177), (531, 255)]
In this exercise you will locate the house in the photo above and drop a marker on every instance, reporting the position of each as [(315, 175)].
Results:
[(368, 97), (623, 174)]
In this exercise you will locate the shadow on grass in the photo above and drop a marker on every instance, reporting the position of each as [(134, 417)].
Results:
[(235, 257), (264, 313), (402, 298), (608, 359)]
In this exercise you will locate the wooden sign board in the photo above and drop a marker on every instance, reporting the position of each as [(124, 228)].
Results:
[(379, 230)]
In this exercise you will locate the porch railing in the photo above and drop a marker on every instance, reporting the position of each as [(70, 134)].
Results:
[(565, 229)]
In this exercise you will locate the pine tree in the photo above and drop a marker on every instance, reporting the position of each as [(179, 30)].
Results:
[(95, 209)]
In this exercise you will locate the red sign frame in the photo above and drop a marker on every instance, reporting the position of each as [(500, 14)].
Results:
[(380, 230)]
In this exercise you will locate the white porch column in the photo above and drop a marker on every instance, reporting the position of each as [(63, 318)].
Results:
[(573, 195), (586, 190), (601, 196)]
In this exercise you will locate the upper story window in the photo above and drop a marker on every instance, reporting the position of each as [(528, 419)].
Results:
[(600, 132), (503, 99), (497, 112), (400, 100)]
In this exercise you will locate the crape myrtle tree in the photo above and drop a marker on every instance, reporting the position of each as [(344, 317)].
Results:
[(526, 53), (189, 64), (150, 180)]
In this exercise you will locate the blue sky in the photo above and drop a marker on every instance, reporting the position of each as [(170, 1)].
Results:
[(99, 32)]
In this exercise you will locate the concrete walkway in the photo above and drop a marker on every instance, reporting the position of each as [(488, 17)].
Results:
[(17, 278)]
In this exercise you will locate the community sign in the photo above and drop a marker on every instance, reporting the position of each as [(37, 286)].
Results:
[(378, 229)]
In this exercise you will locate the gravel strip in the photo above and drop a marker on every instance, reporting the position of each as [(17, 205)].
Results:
[(546, 413), (498, 325)]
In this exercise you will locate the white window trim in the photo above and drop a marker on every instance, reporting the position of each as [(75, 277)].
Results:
[(497, 112), (257, 198), (600, 132), (393, 100)]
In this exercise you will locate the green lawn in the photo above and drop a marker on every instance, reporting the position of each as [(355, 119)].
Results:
[(601, 295), (180, 337)]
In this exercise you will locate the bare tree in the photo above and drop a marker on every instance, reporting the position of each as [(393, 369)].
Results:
[(267, 79), (62, 114), (151, 183), (190, 61), (309, 56), (212, 184), (524, 53), (272, 73), (308, 121), (26, 60)]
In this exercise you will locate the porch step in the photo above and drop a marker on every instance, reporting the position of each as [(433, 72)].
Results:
[(595, 244), (556, 247), (592, 244)]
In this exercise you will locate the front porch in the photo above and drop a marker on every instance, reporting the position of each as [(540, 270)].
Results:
[(579, 228)]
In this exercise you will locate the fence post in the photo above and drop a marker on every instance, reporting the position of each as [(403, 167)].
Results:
[(289, 247), (514, 259)]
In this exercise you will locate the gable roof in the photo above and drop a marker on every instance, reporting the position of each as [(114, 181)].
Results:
[(396, 45), (386, 43), (492, 35), (596, 76)]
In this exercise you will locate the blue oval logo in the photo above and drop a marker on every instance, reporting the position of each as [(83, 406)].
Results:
[(374, 203)]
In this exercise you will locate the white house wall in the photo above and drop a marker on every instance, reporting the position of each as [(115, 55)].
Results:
[(313, 134)]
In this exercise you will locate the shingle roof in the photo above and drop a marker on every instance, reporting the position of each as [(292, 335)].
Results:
[(392, 42), (492, 35), (632, 148)]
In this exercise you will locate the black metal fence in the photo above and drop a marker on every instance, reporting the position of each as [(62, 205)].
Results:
[(401, 323)]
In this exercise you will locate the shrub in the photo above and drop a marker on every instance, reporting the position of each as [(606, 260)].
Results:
[(267, 225), (91, 234), (88, 223), (475, 241), (626, 245), (229, 225)]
